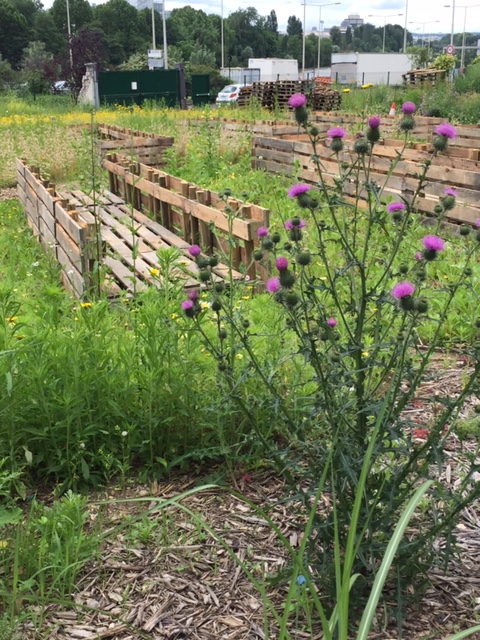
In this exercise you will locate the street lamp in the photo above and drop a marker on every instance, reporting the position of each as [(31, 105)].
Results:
[(392, 15), (325, 4), (154, 42), (69, 28), (453, 22), (329, 4), (462, 6), (221, 36), (165, 57), (423, 28), (405, 30)]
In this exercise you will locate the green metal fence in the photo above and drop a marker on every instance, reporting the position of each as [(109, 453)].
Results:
[(200, 89), (133, 87)]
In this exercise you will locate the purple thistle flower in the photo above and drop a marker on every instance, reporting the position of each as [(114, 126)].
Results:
[(418, 256), (289, 225), (194, 250), (187, 305), (336, 132), (402, 290), (192, 295), (395, 206), (273, 285), (433, 243), (450, 192), (408, 108), (446, 130), (297, 190), (281, 263), (331, 322), (297, 100), (262, 232), (374, 122), (477, 222)]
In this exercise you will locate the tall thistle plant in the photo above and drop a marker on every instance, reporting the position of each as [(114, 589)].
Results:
[(355, 281)]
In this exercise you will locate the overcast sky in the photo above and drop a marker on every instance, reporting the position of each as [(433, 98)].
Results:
[(423, 14)]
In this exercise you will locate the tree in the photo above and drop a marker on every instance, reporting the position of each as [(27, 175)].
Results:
[(38, 68), (336, 36), (188, 27), (348, 36), (14, 33), (29, 9), (419, 57), (202, 57), (88, 45), (7, 74), (118, 20), (271, 23), (136, 62), (45, 30), (294, 27), (80, 14)]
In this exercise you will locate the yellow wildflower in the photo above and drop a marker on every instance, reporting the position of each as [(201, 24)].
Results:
[(154, 272)]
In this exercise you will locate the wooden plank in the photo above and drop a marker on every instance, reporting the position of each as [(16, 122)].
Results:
[(73, 277), (123, 275), (114, 242), (47, 217), (70, 248), (67, 223)]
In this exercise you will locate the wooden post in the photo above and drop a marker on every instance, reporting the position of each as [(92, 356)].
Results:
[(164, 206), (186, 217), (206, 236)]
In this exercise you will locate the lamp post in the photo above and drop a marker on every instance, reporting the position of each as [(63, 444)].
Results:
[(405, 30), (463, 6), (325, 4), (221, 37), (154, 42), (328, 4), (165, 56), (392, 15), (453, 22), (69, 29), (423, 28)]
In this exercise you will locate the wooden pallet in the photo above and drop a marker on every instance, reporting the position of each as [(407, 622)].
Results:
[(124, 230), (271, 95), (294, 157)]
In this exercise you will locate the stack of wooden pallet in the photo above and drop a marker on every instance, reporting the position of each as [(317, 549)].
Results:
[(276, 94), (244, 96), (322, 98), (420, 76)]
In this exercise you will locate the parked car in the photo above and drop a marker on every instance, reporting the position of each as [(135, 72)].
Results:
[(229, 94), (61, 86)]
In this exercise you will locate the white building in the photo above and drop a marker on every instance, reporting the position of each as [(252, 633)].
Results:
[(366, 68)]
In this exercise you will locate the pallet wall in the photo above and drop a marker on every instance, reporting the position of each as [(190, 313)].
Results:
[(294, 158), (58, 227), (197, 214), (147, 148)]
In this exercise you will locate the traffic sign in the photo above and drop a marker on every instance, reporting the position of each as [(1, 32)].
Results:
[(450, 50)]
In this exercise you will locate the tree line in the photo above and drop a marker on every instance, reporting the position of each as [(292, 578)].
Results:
[(116, 35)]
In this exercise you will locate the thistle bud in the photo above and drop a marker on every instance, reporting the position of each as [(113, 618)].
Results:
[(304, 258), (291, 299), (204, 275), (275, 237)]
